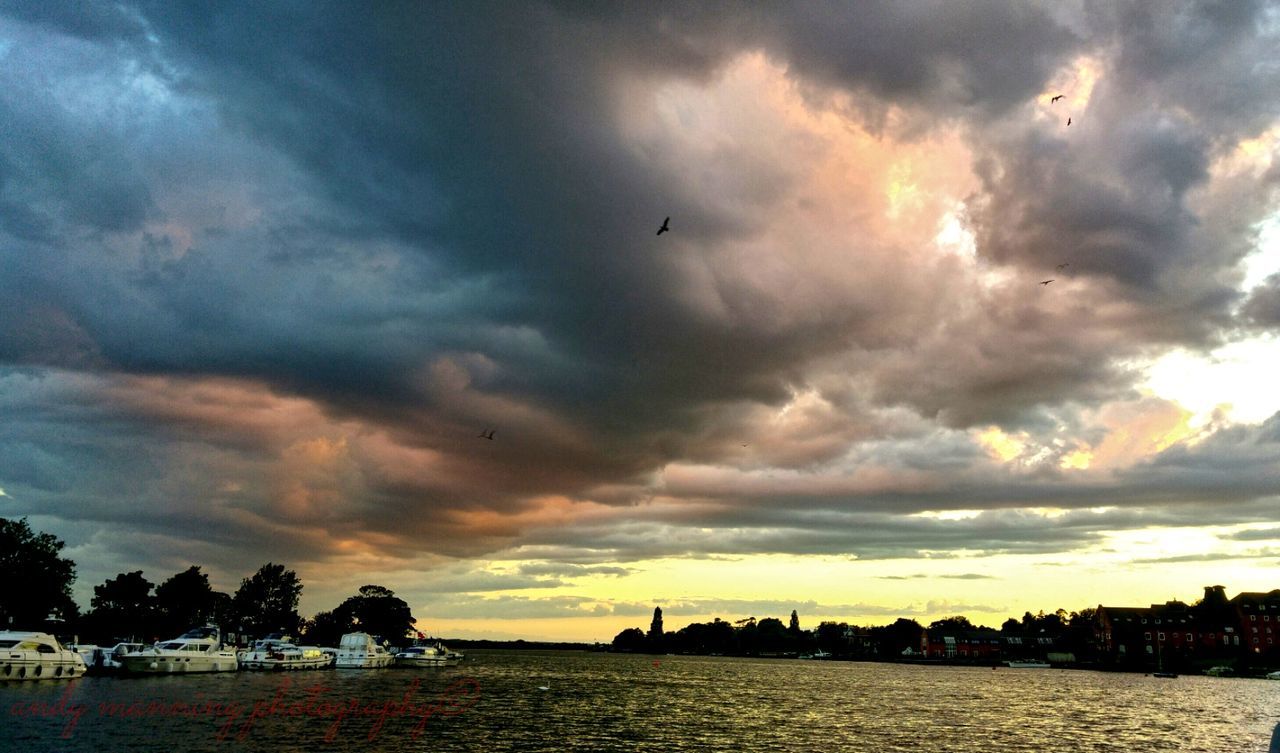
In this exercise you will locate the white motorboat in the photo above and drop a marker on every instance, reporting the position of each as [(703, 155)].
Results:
[(106, 660), (1273, 675), (435, 655), (819, 654), (36, 656), (197, 650), (280, 653), (361, 651), (87, 652), (1219, 671), (1027, 664)]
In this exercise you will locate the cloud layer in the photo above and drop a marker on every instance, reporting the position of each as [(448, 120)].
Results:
[(269, 272)]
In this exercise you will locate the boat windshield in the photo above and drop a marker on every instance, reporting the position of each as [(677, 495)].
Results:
[(8, 644), (173, 646), (201, 632)]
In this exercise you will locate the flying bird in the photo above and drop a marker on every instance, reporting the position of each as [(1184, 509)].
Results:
[(1063, 266), (1068, 121), (664, 227), (1046, 282), (1055, 99), (487, 434)]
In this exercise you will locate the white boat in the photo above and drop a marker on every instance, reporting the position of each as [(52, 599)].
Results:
[(197, 650), (1028, 664), (110, 658), (1273, 675), (1219, 671), (87, 652), (435, 655), (36, 656), (819, 654), (361, 651), (279, 652)]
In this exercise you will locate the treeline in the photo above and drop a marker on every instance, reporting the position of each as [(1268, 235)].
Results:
[(129, 607), (765, 637), (1069, 632)]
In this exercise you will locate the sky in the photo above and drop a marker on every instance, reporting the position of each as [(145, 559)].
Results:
[(267, 272)]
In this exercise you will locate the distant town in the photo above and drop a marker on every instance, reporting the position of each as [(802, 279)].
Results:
[(1215, 634)]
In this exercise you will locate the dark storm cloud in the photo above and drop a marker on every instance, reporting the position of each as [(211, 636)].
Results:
[(1263, 306), (229, 230)]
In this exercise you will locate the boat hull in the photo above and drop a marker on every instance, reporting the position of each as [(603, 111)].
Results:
[(25, 668), (287, 663), (362, 661), (160, 663)]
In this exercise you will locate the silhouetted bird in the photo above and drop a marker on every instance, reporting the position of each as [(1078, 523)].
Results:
[(664, 227), (1068, 121), (1055, 99), (1042, 282), (1063, 266), (487, 434)]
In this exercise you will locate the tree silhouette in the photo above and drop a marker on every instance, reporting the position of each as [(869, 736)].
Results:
[(630, 640), (268, 602), (123, 608), (37, 580), (378, 611), (184, 601)]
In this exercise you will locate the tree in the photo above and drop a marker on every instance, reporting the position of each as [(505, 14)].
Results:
[(268, 602), (899, 636), (184, 600), (122, 608), (378, 611), (328, 627), (37, 582), (955, 623), (630, 640), (831, 637), (794, 627), (1010, 626)]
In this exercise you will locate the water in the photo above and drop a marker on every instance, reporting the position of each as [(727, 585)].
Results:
[(606, 702)]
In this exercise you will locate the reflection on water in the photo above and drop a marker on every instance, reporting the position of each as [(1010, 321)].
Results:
[(606, 702)]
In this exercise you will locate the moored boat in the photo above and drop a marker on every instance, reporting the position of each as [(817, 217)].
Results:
[(434, 655), (361, 651), (197, 650), (1027, 664), (280, 653), (36, 656)]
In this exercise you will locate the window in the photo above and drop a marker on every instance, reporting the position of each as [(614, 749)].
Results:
[(1190, 639), (1253, 618), (1160, 636), (1144, 620), (1146, 636)]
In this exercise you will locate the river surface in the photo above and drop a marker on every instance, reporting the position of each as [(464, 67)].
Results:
[(607, 702)]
